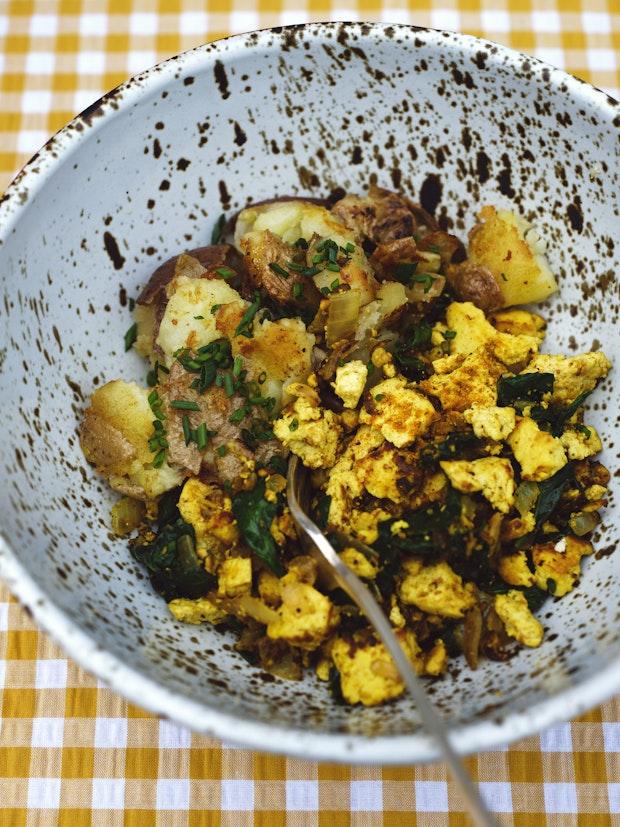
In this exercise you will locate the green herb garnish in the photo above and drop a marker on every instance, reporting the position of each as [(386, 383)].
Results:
[(293, 425), (225, 272), (244, 328), (278, 270), (130, 336), (184, 405)]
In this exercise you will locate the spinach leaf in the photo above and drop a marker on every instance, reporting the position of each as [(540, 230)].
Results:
[(174, 568), (414, 340), (427, 530), (254, 515), (525, 386), (550, 492), (555, 418), (321, 511), (535, 597)]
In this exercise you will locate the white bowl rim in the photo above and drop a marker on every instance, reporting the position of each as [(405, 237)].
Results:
[(112, 671)]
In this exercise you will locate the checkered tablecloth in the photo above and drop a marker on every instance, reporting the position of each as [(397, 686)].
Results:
[(71, 751)]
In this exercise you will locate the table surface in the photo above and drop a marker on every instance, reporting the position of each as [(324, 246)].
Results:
[(73, 752)]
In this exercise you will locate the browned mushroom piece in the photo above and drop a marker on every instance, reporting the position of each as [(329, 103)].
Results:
[(390, 253), (472, 633), (268, 260), (476, 284), (449, 247)]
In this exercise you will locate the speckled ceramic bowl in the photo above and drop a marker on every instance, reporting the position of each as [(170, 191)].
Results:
[(143, 173)]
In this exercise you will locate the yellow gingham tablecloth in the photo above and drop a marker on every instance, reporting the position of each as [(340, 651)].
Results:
[(71, 751)]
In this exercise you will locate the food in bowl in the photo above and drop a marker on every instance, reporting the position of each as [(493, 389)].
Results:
[(362, 337)]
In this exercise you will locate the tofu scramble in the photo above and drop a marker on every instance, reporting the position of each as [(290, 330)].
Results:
[(402, 368)]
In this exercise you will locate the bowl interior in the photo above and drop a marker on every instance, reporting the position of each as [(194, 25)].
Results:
[(451, 121)]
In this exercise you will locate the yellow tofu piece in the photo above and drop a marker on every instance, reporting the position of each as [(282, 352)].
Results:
[(560, 562), (201, 610), (435, 589), (308, 430), (436, 661), (350, 381), (209, 511), (492, 476), (579, 445), (358, 563), (491, 422), (234, 576), (400, 413), (520, 323), (539, 453), (472, 383), (519, 622), (367, 672), (344, 485), (379, 473), (503, 243), (473, 331), (514, 570), (269, 588), (573, 374), (305, 618)]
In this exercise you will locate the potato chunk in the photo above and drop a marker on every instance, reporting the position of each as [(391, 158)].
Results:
[(503, 243), (114, 436)]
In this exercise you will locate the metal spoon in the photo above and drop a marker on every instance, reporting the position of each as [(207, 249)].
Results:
[(298, 494)]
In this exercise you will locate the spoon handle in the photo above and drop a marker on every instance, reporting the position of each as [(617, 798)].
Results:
[(361, 595)]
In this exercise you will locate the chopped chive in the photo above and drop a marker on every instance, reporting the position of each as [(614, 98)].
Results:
[(131, 335), (449, 334), (379, 397), (187, 429), (201, 436), (215, 308), (219, 380), (276, 268), (239, 414), (334, 285), (583, 429), (296, 268), (222, 451), (325, 291), (229, 385), (237, 365), (293, 425), (298, 290), (158, 461), (153, 398), (310, 271), (159, 414), (157, 425), (199, 317), (184, 405), (335, 268), (225, 272), (349, 248), (318, 258), (218, 229), (301, 243), (244, 328)]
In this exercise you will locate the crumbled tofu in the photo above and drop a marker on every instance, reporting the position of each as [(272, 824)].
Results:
[(358, 563), (436, 661), (561, 567), (307, 429), (201, 610), (595, 492), (367, 672), (305, 618), (436, 589), (343, 484), (323, 669), (471, 383), (492, 476), (234, 576), (519, 622), (400, 413), (519, 323), (539, 453), (513, 568), (269, 588), (379, 473), (473, 331), (573, 374), (397, 619), (209, 511), (504, 243), (579, 445), (492, 422), (364, 525), (350, 382)]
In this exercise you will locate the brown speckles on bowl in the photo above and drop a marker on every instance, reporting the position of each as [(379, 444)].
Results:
[(453, 121)]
